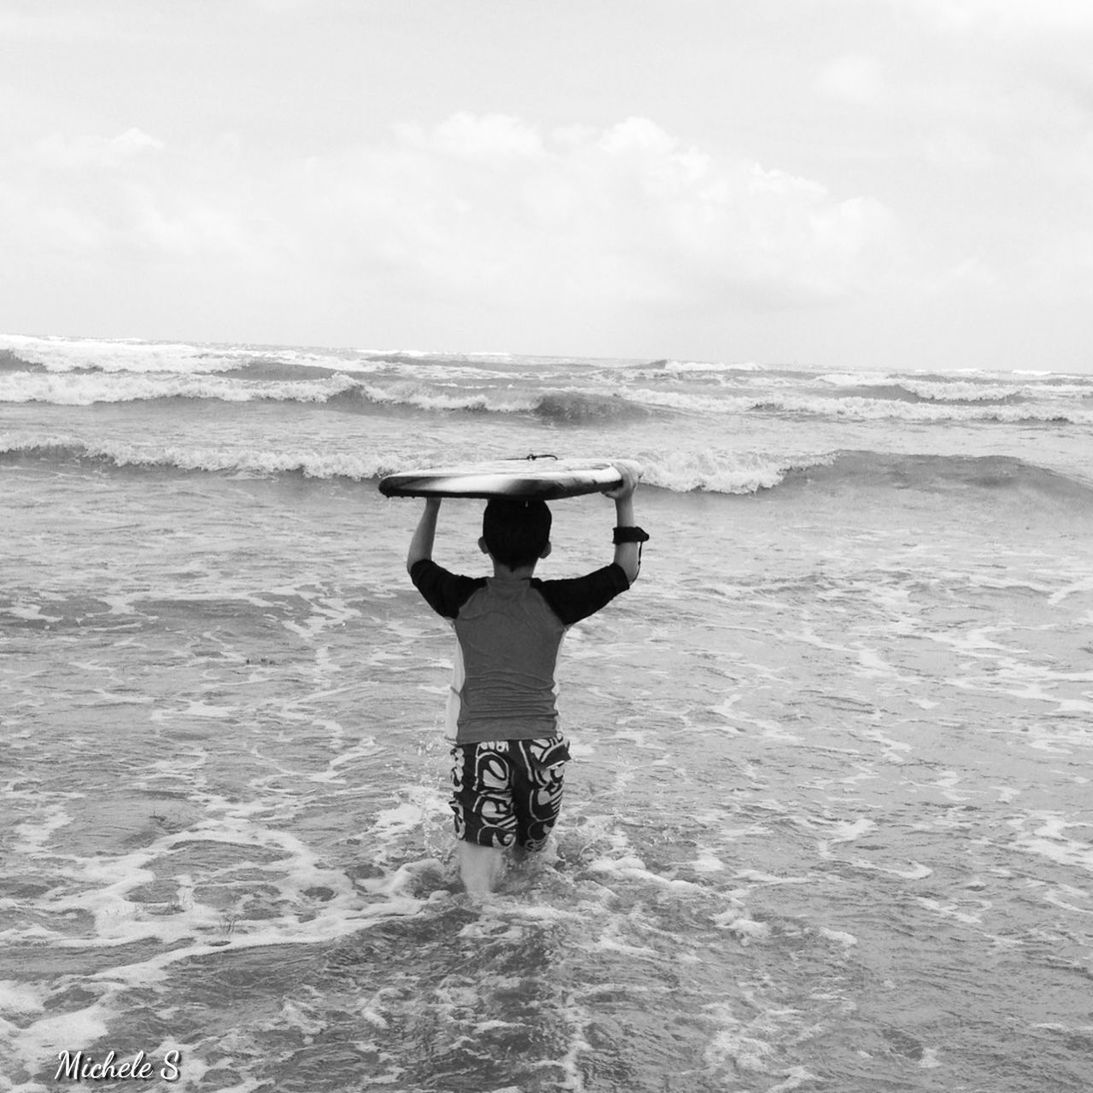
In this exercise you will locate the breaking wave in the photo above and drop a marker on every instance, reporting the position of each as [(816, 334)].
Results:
[(118, 456), (88, 374), (725, 472), (577, 408), (994, 474)]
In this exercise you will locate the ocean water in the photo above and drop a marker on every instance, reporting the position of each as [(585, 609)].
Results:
[(829, 823)]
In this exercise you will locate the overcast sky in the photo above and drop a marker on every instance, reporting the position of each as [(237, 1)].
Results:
[(846, 183)]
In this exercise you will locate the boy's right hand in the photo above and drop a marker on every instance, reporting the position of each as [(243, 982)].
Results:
[(626, 489)]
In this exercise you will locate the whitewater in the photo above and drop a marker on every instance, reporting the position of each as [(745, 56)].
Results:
[(827, 826)]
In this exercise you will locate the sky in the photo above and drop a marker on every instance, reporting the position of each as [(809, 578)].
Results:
[(861, 184)]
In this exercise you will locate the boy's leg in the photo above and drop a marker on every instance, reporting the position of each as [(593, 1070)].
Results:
[(479, 867), (483, 815), (537, 789)]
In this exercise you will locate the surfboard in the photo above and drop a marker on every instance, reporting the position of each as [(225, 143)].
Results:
[(542, 477)]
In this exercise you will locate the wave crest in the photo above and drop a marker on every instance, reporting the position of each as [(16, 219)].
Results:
[(9, 362), (725, 472), (86, 388), (1000, 476), (579, 408), (174, 459), (924, 411)]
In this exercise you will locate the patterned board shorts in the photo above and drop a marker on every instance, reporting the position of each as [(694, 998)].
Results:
[(507, 792)]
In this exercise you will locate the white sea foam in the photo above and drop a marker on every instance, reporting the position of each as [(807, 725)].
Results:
[(149, 454), (724, 470), (715, 366), (1050, 840), (659, 369), (963, 392), (85, 390), (872, 409), (711, 471), (742, 927), (934, 389), (854, 379), (742, 1043), (707, 862), (840, 937), (135, 357), (33, 835), (46, 1038), (67, 354), (21, 997), (86, 372)]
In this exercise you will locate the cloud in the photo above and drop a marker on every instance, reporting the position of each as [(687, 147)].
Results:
[(853, 79), (1007, 16), (83, 152), (492, 205), (996, 90), (477, 212), (1023, 54), (467, 136), (49, 23), (116, 200), (487, 222), (479, 227)]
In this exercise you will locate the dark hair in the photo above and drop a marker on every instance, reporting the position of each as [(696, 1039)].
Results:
[(516, 531)]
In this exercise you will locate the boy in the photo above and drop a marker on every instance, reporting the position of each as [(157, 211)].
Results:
[(507, 753)]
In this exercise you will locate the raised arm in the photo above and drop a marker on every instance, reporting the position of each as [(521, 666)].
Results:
[(421, 545), (628, 550)]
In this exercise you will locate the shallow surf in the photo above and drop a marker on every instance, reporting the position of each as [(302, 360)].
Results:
[(826, 826)]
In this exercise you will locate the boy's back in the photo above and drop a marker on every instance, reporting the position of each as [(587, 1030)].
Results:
[(508, 634)]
